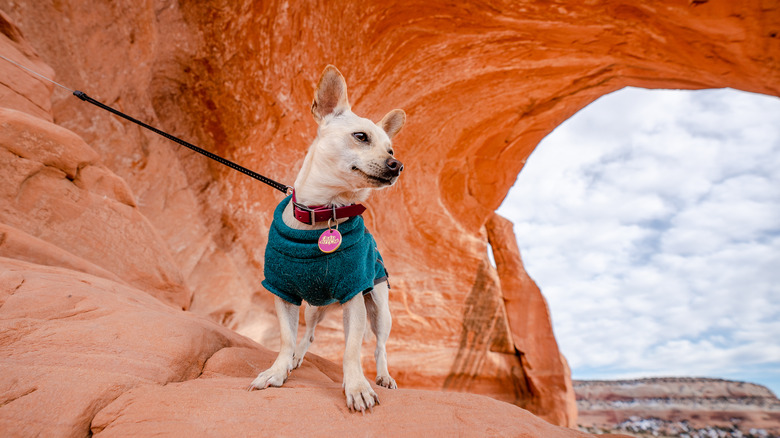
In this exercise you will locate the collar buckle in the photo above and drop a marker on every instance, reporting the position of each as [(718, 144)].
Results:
[(303, 208)]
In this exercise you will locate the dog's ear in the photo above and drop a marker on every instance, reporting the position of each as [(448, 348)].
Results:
[(331, 95), (393, 122)]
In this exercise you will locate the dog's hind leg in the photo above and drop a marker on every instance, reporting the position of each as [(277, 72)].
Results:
[(378, 310), (360, 395), (312, 315), (288, 329)]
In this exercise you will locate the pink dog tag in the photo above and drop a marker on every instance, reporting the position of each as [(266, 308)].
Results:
[(329, 241)]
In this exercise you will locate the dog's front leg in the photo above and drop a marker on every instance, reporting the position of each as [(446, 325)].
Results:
[(360, 395), (288, 330)]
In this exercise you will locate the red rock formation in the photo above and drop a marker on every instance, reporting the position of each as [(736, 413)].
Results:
[(61, 206), (84, 355), (543, 378), (85, 351), (481, 83)]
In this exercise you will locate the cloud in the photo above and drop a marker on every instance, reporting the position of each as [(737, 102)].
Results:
[(651, 222)]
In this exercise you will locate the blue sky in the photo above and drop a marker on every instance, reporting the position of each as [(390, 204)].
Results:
[(651, 222)]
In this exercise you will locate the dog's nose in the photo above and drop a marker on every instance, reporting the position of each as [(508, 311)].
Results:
[(394, 165)]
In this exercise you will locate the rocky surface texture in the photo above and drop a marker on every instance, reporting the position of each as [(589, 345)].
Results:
[(94, 338), (678, 407), (84, 355), (481, 84)]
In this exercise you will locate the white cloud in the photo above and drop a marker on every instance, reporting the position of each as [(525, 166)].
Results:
[(651, 222)]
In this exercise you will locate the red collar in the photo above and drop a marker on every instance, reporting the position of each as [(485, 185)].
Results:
[(319, 213)]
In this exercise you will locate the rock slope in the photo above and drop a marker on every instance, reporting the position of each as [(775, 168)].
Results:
[(84, 355)]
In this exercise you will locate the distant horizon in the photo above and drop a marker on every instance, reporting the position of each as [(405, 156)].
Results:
[(771, 385), (675, 378), (651, 222)]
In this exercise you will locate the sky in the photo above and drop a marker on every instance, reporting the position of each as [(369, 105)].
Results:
[(651, 222)]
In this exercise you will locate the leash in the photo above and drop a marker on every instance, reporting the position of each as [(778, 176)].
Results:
[(83, 96), (303, 213)]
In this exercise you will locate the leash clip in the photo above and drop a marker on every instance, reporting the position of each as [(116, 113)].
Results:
[(311, 215)]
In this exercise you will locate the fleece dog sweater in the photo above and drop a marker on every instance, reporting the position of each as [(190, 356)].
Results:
[(296, 269)]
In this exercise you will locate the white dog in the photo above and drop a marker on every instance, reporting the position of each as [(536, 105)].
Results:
[(318, 248)]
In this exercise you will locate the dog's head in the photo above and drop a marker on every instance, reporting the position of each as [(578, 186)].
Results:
[(357, 152)]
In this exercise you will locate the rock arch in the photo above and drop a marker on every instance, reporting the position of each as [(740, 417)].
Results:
[(482, 84)]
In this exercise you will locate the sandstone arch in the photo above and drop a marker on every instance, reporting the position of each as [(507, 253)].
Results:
[(482, 84)]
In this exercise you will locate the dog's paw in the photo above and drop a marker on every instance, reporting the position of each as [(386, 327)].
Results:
[(269, 377), (297, 360), (298, 356), (386, 381), (360, 396)]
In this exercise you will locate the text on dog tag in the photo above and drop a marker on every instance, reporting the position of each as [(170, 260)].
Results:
[(329, 241)]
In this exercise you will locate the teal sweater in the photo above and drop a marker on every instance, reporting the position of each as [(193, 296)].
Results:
[(296, 269)]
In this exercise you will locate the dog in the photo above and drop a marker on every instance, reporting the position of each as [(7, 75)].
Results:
[(350, 157)]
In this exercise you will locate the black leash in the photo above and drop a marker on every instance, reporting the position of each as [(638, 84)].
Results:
[(277, 185), (83, 96)]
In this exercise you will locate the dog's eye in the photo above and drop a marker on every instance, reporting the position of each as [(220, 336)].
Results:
[(390, 152), (360, 136)]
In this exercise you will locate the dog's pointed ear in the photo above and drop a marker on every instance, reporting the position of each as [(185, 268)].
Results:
[(393, 122), (331, 95)]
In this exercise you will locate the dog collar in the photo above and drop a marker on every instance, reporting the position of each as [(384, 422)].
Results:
[(320, 213)]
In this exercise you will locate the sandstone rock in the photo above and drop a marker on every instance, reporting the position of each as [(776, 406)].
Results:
[(83, 352), (71, 343), (19, 89), (543, 380), (215, 407), (17, 244), (481, 83), (85, 355), (53, 188)]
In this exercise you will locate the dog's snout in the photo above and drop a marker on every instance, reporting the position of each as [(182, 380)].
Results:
[(394, 165)]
